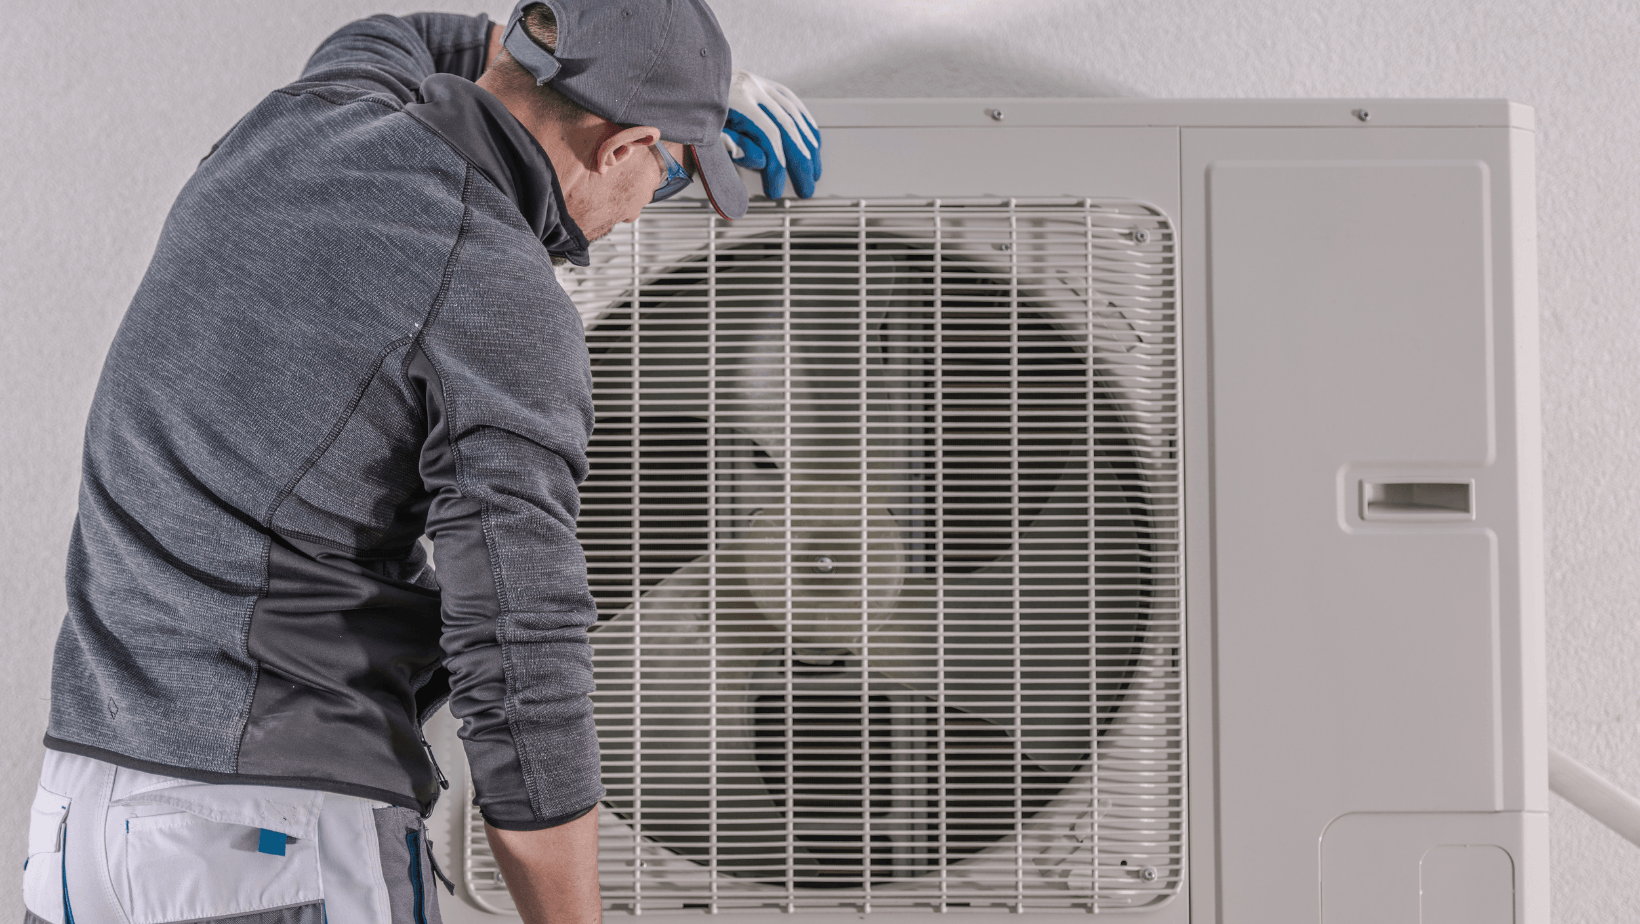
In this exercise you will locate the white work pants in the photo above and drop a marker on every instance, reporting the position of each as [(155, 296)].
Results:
[(109, 845)]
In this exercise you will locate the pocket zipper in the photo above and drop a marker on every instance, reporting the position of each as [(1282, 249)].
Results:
[(62, 834), (412, 839)]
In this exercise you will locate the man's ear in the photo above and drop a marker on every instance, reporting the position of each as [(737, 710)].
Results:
[(624, 144)]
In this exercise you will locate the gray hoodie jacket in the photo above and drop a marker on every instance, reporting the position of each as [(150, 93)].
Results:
[(350, 334)]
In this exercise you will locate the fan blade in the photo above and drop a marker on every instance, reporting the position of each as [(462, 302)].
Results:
[(1010, 642), (668, 658), (686, 632), (674, 715), (1025, 670), (821, 549)]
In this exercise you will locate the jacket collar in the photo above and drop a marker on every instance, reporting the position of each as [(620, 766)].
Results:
[(476, 124)]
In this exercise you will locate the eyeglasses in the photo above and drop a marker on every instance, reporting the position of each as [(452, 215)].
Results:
[(677, 178)]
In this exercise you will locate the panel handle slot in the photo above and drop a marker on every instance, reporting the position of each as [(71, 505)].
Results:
[(1417, 500)]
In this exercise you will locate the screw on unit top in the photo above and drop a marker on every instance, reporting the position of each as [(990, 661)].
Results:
[(1361, 114), (823, 564), (994, 114), (1140, 235)]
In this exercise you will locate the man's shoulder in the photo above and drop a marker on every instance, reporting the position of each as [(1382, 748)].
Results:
[(340, 94), (336, 152), (311, 122), (309, 203)]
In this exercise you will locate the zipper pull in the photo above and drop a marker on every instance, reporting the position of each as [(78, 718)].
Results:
[(442, 782), (433, 862)]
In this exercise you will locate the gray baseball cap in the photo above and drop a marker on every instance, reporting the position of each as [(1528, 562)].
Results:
[(643, 62)]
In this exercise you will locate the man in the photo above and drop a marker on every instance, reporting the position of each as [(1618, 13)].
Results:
[(350, 333)]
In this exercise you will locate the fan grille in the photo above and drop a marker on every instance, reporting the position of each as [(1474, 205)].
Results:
[(883, 532)]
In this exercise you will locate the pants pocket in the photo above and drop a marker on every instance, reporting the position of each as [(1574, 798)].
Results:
[(406, 867), (180, 866), (43, 892)]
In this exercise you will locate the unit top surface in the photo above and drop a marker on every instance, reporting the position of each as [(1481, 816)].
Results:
[(1181, 113)]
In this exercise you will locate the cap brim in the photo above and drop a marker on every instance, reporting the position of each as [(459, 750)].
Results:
[(724, 187)]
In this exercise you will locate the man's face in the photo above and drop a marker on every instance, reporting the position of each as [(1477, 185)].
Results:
[(620, 193)]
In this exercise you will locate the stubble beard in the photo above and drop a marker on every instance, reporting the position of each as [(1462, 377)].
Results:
[(623, 190)]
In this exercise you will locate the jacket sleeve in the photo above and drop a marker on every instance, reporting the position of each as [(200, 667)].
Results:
[(507, 393), (394, 54)]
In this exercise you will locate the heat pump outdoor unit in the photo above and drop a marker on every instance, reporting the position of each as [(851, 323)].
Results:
[(1078, 506)]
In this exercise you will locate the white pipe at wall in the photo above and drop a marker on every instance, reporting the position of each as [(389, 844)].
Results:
[(1596, 795)]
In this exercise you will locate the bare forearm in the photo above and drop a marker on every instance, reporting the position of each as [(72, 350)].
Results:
[(552, 874)]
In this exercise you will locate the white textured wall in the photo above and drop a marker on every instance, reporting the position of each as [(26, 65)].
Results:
[(107, 108)]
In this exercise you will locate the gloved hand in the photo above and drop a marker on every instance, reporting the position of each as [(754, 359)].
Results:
[(770, 130)]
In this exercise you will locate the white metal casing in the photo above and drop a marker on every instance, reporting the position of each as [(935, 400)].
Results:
[(1358, 315)]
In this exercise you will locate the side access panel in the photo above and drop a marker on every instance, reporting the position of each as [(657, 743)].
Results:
[(1372, 640)]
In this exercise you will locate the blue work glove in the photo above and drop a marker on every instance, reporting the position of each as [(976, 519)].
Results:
[(770, 130)]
